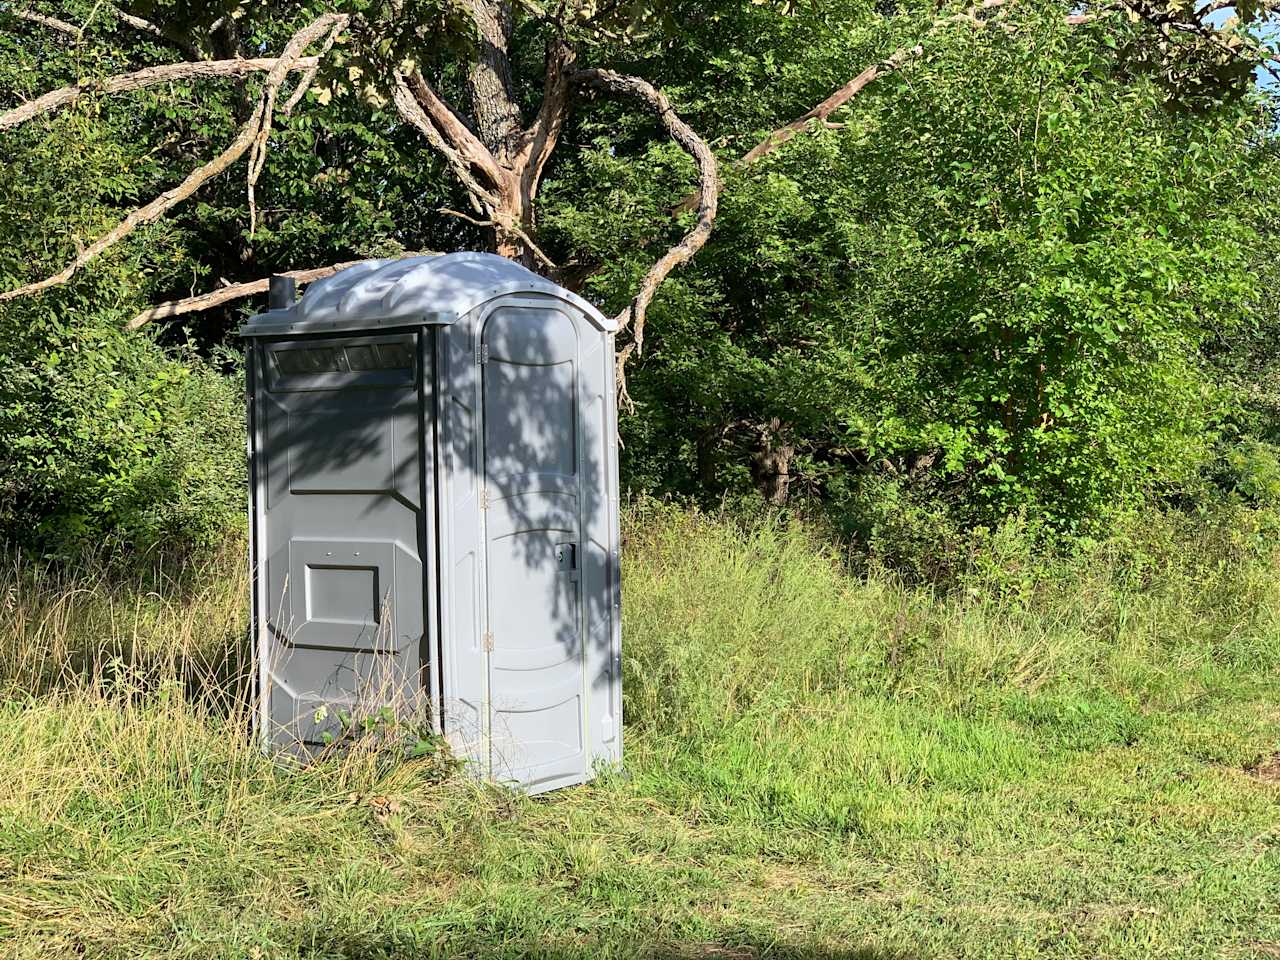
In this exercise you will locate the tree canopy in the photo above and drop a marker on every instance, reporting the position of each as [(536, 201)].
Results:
[(1005, 256)]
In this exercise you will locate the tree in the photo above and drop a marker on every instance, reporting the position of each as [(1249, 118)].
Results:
[(492, 88), (497, 154), (497, 158), (993, 284)]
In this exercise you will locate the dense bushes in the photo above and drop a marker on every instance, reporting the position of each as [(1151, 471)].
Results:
[(1009, 283), (138, 437), (109, 436), (1018, 278)]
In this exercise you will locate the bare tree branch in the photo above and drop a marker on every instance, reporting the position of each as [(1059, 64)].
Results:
[(539, 141), (708, 188), (507, 224), (171, 198), (146, 26), (150, 76), (451, 126), (776, 138), (236, 291), (304, 84), (819, 114), (146, 214), (53, 23), (258, 149), (620, 377), (433, 126)]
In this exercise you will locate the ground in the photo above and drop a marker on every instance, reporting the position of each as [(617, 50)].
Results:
[(821, 762)]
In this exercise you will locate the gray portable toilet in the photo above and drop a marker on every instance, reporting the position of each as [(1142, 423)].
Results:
[(434, 515)]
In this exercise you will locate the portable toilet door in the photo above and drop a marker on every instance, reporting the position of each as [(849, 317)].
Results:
[(342, 529), (436, 515), (530, 427)]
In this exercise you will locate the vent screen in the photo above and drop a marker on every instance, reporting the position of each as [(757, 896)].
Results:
[(370, 356)]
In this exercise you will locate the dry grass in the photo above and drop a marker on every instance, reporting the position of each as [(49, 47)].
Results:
[(1044, 761)]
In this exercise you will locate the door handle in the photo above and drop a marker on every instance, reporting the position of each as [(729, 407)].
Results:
[(567, 559)]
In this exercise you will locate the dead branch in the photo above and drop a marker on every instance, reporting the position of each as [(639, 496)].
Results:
[(237, 291), (309, 76), (708, 188), (146, 214), (258, 149), (53, 23), (821, 112), (150, 76), (776, 138), (171, 198), (501, 165), (146, 26), (977, 15), (620, 376), (504, 223)]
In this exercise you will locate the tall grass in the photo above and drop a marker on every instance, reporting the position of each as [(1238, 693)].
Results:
[(1038, 757), (67, 626), (757, 666)]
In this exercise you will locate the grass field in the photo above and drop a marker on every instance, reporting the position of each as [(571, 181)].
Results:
[(1073, 759)]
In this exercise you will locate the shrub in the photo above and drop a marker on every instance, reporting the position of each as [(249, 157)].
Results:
[(106, 435)]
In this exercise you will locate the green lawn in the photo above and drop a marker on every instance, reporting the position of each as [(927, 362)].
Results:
[(1046, 760)]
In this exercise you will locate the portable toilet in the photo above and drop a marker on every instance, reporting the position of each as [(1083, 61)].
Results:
[(434, 515)]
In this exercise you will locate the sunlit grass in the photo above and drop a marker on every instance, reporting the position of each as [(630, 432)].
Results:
[(1041, 759)]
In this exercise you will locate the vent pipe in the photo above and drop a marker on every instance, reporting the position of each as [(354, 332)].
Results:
[(281, 292)]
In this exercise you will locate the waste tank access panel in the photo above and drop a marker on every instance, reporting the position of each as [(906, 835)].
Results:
[(340, 500), (532, 505)]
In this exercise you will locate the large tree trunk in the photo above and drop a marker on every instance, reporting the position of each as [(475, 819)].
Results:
[(490, 82), (516, 206), (498, 123)]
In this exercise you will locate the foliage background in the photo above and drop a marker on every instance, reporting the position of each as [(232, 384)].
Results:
[(1024, 277)]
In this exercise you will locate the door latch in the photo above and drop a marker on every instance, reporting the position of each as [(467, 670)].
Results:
[(567, 557)]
